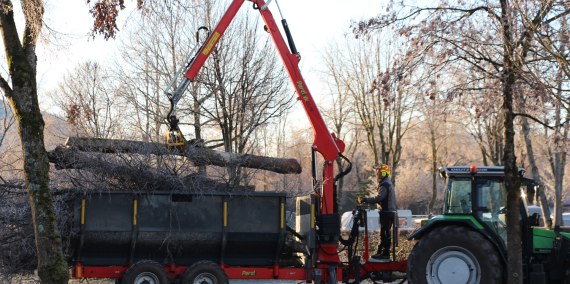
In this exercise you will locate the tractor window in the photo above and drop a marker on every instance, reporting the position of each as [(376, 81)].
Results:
[(491, 203), (492, 195), (458, 196)]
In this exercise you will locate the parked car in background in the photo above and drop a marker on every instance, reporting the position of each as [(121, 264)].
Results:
[(407, 221), (536, 209)]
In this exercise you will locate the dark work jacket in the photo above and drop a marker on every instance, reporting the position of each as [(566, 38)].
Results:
[(386, 197)]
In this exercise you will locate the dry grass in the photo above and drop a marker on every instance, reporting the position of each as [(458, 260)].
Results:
[(405, 247)]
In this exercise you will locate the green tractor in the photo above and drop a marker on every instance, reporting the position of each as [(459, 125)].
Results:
[(467, 243)]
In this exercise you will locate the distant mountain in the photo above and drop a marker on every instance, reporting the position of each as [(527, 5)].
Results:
[(55, 132)]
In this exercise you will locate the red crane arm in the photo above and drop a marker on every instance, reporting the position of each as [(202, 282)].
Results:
[(212, 40), (327, 144)]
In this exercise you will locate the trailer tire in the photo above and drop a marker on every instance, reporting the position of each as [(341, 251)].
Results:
[(463, 255), (204, 272), (145, 271)]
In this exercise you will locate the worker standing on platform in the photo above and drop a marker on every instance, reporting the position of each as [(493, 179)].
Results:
[(386, 202)]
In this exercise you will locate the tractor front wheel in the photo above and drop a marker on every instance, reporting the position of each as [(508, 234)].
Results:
[(452, 255)]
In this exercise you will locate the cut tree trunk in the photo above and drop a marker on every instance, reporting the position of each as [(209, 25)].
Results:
[(72, 158), (139, 177), (198, 155)]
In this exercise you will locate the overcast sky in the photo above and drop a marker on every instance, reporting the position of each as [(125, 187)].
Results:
[(313, 24)]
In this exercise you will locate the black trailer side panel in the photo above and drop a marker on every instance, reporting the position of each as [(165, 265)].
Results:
[(178, 228), (106, 218), (122, 228), (253, 230)]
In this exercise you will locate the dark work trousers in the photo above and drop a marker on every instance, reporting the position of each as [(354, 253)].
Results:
[(386, 224)]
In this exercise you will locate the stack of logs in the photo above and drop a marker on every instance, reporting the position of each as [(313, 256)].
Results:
[(88, 154)]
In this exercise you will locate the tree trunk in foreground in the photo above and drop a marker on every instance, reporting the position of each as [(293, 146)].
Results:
[(512, 180), (23, 98)]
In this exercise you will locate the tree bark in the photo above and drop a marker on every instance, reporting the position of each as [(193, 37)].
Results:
[(512, 181), (558, 153), (198, 155), (22, 95), (433, 170)]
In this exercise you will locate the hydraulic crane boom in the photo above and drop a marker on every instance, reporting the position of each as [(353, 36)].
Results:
[(325, 143)]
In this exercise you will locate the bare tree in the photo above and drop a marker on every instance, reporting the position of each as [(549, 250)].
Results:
[(248, 85), (21, 91), (372, 72), (545, 104), (558, 149), (150, 57), (90, 98), (485, 125), (557, 135), (434, 107), (341, 114)]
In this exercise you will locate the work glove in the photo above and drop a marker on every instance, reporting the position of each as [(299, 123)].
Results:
[(360, 200)]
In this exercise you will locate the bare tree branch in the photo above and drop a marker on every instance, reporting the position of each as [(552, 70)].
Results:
[(376, 23), (540, 121), (12, 44), (557, 17), (5, 87)]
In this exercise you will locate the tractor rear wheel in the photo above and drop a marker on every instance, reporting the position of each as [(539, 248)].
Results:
[(454, 255)]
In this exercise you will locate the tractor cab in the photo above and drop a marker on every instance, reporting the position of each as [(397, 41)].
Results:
[(479, 192)]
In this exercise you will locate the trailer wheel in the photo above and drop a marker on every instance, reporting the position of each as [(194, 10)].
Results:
[(145, 272), (454, 254), (204, 272)]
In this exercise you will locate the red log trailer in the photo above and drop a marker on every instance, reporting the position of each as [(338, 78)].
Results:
[(180, 237), (151, 243)]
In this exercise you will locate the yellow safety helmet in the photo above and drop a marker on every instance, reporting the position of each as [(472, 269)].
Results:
[(383, 169)]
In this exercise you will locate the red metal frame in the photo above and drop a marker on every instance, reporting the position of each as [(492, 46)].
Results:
[(79, 271), (235, 272), (366, 253), (401, 266)]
